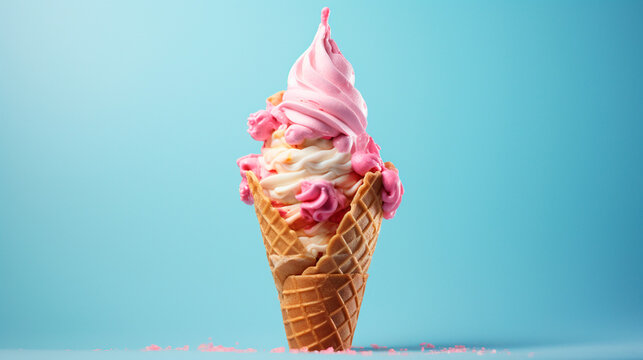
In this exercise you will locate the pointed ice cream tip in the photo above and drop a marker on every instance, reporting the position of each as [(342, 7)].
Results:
[(324, 16)]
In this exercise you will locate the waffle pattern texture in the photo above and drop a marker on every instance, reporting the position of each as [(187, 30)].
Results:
[(320, 311), (320, 298)]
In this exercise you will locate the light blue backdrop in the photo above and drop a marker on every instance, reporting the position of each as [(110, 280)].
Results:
[(516, 127)]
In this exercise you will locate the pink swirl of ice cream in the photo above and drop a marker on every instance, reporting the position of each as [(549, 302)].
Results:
[(366, 155), (320, 200), (248, 163), (392, 191), (315, 142), (244, 192), (321, 99), (261, 124)]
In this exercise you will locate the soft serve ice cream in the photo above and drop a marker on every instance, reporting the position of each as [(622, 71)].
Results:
[(315, 150)]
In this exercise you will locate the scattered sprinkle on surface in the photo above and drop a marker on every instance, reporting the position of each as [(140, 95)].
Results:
[(424, 348)]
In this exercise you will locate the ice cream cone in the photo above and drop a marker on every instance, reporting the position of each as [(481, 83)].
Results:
[(317, 164), (320, 311)]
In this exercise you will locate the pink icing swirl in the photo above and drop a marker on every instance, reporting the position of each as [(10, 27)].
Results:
[(320, 200), (248, 163), (392, 191), (366, 155), (321, 99), (261, 124), (244, 192)]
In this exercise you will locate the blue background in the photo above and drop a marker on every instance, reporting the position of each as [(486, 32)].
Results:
[(516, 127)]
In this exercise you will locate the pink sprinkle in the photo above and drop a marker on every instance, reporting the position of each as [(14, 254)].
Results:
[(450, 350), (391, 351), (366, 353), (376, 347), (493, 351), (278, 350), (184, 348), (152, 347), (347, 352), (295, 351), (329, 350), (96, 350), (220, 348)]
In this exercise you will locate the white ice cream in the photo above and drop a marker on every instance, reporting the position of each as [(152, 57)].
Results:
[(313, 160)]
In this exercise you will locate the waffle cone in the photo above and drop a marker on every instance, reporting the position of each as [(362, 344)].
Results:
[(321, 311), (320, 298)]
